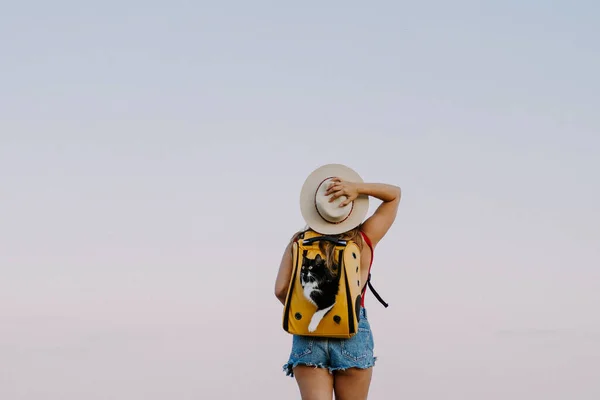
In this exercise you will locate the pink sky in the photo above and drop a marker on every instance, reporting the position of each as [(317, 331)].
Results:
[(151, 159)]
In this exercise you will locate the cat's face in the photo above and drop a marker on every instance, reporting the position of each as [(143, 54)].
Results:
[(315, 270)]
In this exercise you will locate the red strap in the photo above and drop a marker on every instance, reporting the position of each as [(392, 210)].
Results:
[(366, 238), (368, 241)]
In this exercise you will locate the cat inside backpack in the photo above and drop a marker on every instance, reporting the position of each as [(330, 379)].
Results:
[(320, 286)]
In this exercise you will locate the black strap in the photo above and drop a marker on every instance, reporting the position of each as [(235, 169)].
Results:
[(375, 292)]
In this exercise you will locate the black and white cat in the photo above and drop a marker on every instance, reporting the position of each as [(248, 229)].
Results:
[(320, 287)]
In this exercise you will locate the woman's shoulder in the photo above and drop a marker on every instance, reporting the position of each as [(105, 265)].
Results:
[(365, 239)]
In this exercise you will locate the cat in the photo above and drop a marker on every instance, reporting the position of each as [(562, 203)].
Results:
[(320, 286)]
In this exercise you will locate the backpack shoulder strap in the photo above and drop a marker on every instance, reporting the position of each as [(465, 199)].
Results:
[(377, 296)]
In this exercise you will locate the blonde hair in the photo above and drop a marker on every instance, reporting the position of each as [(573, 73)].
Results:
[(328, 248)]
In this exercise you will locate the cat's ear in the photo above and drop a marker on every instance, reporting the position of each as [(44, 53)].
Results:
[(318, 257)]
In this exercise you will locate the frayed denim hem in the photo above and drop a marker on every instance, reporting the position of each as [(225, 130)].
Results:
[(288, 368)]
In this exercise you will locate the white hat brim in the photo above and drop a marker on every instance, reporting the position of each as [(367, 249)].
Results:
[(307, 200)]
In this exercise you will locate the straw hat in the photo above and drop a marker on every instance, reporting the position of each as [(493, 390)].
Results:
[(329, 218)]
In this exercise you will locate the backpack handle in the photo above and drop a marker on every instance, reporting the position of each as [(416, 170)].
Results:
[(325, 238)]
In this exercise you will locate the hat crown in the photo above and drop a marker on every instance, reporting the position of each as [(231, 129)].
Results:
[(331, 210), (326, 217)]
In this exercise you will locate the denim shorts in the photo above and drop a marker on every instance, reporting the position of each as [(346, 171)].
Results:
[(334, 354)]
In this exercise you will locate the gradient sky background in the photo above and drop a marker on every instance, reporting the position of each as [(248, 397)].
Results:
[(151, 157)]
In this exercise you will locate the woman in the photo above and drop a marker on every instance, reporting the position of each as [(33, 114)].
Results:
[(334, 202)]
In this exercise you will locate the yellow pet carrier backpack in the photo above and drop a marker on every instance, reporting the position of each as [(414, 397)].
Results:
[(323, 301)]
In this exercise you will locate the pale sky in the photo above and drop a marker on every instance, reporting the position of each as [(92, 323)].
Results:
[(151, 159)]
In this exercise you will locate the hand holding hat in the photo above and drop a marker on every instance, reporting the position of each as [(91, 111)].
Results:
[(340, 188)]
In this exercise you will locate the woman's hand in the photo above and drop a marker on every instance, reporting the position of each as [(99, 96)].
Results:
[(338, 188)]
